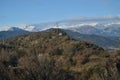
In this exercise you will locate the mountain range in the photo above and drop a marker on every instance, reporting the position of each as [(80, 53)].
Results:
[(103, 31), (102, 41), (102, 26)]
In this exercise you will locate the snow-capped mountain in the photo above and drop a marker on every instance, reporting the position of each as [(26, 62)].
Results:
[(12, 32), (99, 29), (15, 29), (21, 26), (103, 26)]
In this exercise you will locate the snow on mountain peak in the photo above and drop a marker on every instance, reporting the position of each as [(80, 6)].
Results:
[(21, 26), (5, 28), (26, 27), (76, 23), (112, 23), (12, 29)]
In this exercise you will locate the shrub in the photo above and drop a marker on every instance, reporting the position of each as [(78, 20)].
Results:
[(56, 51)]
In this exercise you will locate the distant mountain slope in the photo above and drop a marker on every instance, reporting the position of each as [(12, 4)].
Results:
[(112, 31), (101, 26), (102, 41), (12, 32), (105, 42)]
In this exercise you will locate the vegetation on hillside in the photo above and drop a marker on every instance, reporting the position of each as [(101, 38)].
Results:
[(53, 55)]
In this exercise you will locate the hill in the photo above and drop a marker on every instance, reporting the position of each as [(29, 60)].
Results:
[(52, 54)]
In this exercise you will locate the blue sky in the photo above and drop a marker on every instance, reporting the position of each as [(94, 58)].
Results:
[(36, 11)]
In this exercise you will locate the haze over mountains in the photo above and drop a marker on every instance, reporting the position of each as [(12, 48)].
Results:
[(103, 26), (103, 31)]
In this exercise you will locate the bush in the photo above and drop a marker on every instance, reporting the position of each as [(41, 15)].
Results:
[(56, 51)]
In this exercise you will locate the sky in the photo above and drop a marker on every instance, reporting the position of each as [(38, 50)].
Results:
[(14, 12)]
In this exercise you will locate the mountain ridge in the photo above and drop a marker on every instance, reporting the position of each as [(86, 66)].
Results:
[(102, 41), (105, 26)]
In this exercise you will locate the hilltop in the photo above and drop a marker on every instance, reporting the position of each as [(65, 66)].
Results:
[(102, 41), (53, 54)]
